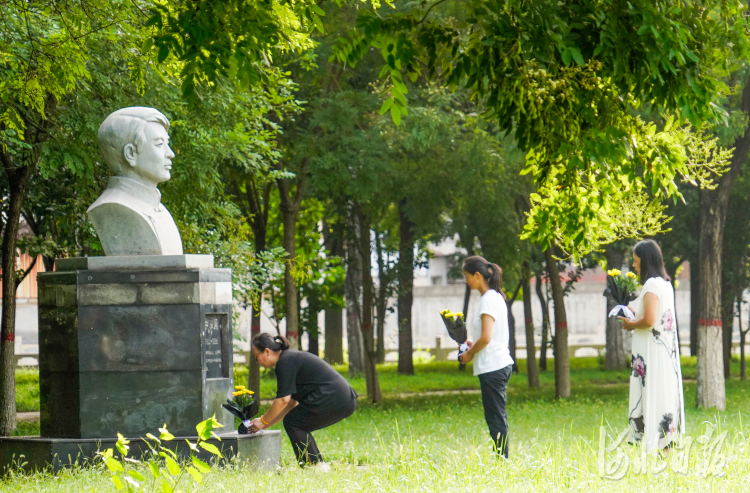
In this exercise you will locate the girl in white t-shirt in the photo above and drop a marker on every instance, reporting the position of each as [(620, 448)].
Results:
[(490, 350)]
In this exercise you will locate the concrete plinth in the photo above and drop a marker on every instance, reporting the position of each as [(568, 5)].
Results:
[(262, 450), (129, 348)]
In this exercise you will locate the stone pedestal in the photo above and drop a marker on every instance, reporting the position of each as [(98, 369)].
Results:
[(263, 450), (127, 344), (127, 349)]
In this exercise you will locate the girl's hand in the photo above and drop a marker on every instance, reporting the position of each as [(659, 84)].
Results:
[(256, 425), (469, 343), (466, 357), (627, 324)]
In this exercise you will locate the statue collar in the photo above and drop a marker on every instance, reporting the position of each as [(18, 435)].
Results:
[(149, 195)]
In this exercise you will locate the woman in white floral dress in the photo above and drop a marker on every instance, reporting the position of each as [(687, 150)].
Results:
[(656, 412)]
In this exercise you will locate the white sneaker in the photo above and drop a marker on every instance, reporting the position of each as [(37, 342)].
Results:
[(321, 467)]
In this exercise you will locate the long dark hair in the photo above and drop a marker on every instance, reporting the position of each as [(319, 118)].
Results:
[(652, 262), (264, 341), (491, 272)]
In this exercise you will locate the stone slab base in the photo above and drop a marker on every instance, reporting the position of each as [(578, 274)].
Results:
[(262, 450)]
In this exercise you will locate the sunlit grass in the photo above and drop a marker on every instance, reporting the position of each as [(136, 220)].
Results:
[(440, 442)]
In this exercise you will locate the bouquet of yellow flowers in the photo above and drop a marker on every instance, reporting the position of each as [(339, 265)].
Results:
[(621, 290), (244, 405), (456, 326)]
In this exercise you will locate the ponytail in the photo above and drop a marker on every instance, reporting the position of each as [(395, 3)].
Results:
[(264, 341), (492, 273)]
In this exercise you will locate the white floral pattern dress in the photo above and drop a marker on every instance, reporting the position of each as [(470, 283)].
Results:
[(656, 410)]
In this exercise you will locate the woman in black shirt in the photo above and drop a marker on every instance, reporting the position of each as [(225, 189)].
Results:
[(310, 395)]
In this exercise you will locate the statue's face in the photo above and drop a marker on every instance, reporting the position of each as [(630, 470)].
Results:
[(153, 162)]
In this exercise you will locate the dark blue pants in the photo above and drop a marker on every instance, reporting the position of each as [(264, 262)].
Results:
[(494, 385)]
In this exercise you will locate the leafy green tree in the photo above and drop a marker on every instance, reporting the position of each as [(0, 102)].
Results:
[(564, 77), (46, 52)]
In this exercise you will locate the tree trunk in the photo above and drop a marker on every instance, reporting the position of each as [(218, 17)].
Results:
[(254, 204), (353, 289), (727, 324), (18, 179), (253, 374), (710, 346), (545, 320), (743, 375), (694, 303), (713, 209), (18, 172), (562, 362), (673, 280), (291, 305), (370, 355), (290, 207), (381, 304), (17, 183), (405, 291), (313, 332), (334, 318), (615, 357), (512, 325), (334, 336), (532, 372)]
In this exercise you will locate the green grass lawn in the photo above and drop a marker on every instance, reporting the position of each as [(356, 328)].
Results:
[(440, 442)]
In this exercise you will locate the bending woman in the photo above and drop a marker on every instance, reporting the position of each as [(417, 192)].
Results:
[(656, 411), (310, 395), (490, 351)]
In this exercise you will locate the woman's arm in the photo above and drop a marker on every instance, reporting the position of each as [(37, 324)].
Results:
[(487, 324), (279, 408), (650, 307)]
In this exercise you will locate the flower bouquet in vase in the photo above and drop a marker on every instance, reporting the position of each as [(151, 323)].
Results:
[(456, 326), (244, 405), (621, 291)]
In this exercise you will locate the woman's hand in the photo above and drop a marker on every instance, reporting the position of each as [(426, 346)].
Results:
[(627, 324), (256, 425), (466, 357)]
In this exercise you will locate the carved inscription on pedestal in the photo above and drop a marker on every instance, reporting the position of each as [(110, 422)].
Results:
[(213, 332)]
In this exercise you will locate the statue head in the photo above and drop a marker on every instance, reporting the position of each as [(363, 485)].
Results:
[(135, 144)]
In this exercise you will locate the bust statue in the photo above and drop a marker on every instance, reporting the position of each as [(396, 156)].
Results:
[(129, 217)]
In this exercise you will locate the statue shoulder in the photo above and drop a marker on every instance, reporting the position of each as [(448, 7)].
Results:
[(123, 230)]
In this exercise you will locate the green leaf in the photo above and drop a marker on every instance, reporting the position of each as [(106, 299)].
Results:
[(166, 487), (136, 475), (166, 435), (117, 482), (577, 56), (566, 56), (197, 476), (153, 468), (204, 430), (396, 114), (210, 448), (644, 28), (163, 53), (114, 465), (386, 105), (172, 466), (201, 466)]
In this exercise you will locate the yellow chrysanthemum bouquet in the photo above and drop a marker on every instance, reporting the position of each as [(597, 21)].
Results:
[(621, 290), (456, 326), (244, 405)]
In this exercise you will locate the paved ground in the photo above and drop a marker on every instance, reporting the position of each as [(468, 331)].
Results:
[(32, 416)]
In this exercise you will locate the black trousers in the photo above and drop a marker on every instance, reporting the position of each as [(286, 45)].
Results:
[(494, 385), (302, 420)]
